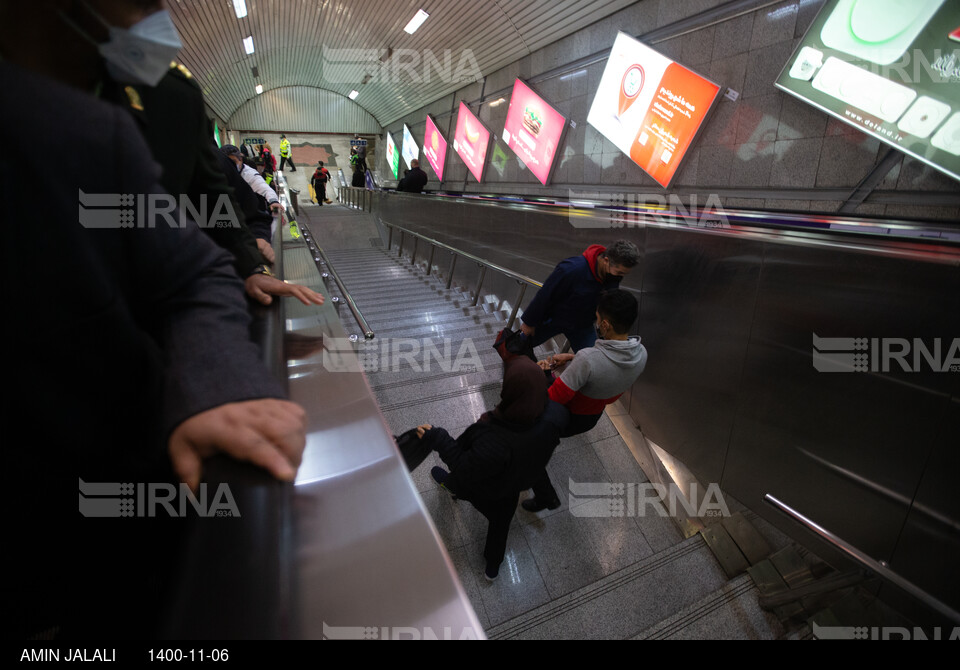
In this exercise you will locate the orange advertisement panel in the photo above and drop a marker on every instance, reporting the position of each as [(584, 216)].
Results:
[(650, 107), (671, 123)]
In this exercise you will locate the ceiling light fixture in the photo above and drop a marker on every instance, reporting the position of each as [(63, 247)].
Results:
[(416, 21), (248, 44), (240, 7), (353, 95), (259, 89)]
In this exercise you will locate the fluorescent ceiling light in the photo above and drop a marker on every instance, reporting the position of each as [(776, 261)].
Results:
[(240, 7), (259, 89), (248, 44), (353, 95), (416, 21), (497, 103)]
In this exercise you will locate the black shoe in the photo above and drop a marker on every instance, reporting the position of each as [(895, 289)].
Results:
[(491, 572), (440, 476), (535, 504)]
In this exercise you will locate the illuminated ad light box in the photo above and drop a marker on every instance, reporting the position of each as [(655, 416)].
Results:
[(533, 130), (435, 148), (393, 156), (411, 152), (890, 69), (650, 107), (470, 141)]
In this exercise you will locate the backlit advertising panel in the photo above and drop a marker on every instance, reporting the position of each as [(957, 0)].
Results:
[(533, 130), (393, 156), (410, 150), (650, 107), (471, 140), (435, 148), (890, 69)]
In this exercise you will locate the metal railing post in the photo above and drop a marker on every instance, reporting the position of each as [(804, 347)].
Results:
[(433, 248), (453, 265), (413, 254), (516, 305), (483, 273), (400, 250)]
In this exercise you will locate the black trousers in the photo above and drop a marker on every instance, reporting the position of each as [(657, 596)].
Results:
[(293, 168), (498, 511), (579, 423)]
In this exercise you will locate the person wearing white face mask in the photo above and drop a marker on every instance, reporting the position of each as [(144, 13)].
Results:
[(140, 54)]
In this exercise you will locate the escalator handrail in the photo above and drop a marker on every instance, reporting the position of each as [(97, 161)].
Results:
[(493, 266), (879, 568)]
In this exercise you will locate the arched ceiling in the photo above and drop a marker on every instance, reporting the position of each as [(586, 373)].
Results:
[(336, 44)]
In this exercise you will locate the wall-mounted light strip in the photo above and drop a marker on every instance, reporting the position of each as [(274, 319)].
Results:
[(416, 21)]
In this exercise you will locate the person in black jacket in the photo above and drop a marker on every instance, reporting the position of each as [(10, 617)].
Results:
[(414, 179), (500, 455)]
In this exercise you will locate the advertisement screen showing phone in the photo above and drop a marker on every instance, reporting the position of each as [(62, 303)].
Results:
[(470, 141), (650, 107), (411, 152), (393, 156), (435, 147), (533, 130), (889, 68)]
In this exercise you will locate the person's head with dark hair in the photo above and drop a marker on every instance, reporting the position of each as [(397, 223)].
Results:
[(319, 164), (619, 258), (616, 312)]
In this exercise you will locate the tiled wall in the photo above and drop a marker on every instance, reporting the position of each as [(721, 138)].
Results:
[(766, 150)]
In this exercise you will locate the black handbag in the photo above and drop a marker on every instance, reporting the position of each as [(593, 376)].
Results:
[(412, 449)]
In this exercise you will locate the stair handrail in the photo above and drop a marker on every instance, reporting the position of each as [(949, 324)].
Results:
[(880, 568), (523, 280)]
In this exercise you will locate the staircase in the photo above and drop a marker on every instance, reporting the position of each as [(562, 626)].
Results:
[(588, 570)]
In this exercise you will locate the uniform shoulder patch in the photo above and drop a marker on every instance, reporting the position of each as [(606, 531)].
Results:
[(134, 97), (181, 68)]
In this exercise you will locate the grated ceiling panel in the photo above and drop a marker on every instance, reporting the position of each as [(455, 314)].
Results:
[(334, 44)]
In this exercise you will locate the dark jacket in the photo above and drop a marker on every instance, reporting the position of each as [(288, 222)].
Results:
[(495, 462), (413, 181), (121, 333), (174, 123), (570, 294)]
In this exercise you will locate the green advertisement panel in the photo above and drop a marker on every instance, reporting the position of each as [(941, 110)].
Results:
[(393, 156), (891, 68)]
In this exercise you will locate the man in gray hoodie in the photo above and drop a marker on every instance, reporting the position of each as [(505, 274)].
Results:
[(594, 378)]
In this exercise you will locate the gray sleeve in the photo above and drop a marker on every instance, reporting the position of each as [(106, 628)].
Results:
[(577, 373)]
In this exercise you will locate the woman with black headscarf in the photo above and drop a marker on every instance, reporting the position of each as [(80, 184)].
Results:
[(500, 455)]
